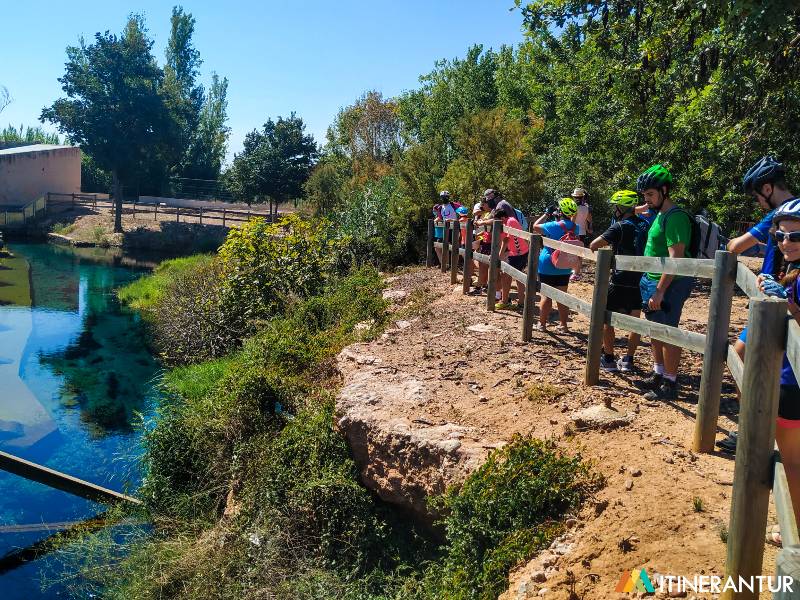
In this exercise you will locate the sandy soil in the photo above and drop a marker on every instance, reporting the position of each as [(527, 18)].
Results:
[(663, 508)]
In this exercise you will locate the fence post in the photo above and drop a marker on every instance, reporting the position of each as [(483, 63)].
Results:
[(752, 475), (494, 265), (467, 283), (73, 202), (455, 244), (787, 564), (177, 214), (223, 217), (428, 245), (134, 208), (445, 262), (716, 351), (602, 275), (155, 213), (531, 287), (201, 215)]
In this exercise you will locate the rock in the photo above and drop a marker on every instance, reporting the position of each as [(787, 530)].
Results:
[(484, 328), (572, 523), (600, 417), (553, 421), (629, 484), (543, 592), (539, 577), (359, 359), (677, 594), (635, 472), (669, 460), (394, 295), (403, 324)]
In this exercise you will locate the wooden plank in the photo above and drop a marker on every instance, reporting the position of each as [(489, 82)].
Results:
[(735, 366), (61, 481), (597, 317), (672, 335), (515, 274), (566, 299), (569, 248), (482, 258), (716, 351), (793, 345), (689, 267), (518, 233), (783, 506), (787, 565), (758, 410), (746, 280)]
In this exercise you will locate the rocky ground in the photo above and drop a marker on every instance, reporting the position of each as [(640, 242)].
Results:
[(423, 405)]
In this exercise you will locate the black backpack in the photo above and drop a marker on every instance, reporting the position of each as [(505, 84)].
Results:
[(642, 227)]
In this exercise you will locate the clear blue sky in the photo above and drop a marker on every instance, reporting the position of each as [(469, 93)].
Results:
[(311, 57)]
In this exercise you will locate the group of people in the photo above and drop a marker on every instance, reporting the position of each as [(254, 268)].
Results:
[(648, 222)]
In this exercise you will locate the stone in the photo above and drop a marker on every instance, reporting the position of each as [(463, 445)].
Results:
[(543, 592), (669, 460), (403, 324), (358, 358), (635, 472), (629, 484), (539, 577), (601, 417), (484, 328), (395, 295), (572, 523)]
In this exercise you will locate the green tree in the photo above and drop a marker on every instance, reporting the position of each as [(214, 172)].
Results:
[(28, 135), (207, 149), (496, 150), (275, 162), (115, 109)]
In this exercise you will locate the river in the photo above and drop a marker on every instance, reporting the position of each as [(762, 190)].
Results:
[(75, 380)]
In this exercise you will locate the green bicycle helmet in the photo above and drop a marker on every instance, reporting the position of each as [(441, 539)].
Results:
[(625, 198), (654, 178), (568, 207)]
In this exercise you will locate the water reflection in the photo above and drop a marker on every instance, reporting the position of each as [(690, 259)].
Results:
[(74, 374)]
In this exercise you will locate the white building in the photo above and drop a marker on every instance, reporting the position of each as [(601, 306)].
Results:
[(29, 172)]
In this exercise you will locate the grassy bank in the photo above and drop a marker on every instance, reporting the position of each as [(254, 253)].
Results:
[(253, 493)]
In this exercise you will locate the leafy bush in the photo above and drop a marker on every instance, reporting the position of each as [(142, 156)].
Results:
[(506, 511), (144, 293)]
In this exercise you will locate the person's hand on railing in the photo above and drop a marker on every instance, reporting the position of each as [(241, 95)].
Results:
[(769, 286)]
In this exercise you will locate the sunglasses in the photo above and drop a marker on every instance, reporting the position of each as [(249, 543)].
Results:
[(793, 236)]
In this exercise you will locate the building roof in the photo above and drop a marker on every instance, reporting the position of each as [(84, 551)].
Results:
[(33, 148)]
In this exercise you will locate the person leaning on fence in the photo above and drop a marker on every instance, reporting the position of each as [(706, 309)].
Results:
[(442, 212), (482, 244), (548, 273), (514, 250), (787, 433), (626, 236), (765, 182), (663, 296)]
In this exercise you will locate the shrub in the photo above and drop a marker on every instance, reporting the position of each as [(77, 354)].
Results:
[(144, 293)]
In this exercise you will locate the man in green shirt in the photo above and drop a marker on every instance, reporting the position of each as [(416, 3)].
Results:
[(663, 296)]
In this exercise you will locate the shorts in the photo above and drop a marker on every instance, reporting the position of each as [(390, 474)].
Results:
[(789, 407), (623, 299), (438, 233), (485, 248), (674, 298), (519, 262), (555, 280)]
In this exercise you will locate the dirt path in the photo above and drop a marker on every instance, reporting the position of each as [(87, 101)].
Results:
[(663, 508)]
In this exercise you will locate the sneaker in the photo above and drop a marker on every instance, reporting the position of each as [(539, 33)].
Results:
[(540, 327), (477, 291), (652, 382), (728, 444), (625, 364), (574, 277), (668, 390), (608, 364)]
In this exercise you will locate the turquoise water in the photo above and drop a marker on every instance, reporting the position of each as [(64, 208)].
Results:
[(75, 379)]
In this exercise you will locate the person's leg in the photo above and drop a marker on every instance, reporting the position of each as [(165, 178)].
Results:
[(608, 339), (483, 274), (634, 338), (672, 358), (563, 310), (505, 287), (545, 306), (788, 439)]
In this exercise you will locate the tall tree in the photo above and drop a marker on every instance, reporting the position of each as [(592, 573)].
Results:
[(5, 97), (114, 106), (276, 161), (207, 149)]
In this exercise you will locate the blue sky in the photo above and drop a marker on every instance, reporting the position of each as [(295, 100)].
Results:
[(310, 57)]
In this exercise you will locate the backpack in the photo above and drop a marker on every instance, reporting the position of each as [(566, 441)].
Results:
[(564, 260), (694, 244), (521, 218), (642, 229)]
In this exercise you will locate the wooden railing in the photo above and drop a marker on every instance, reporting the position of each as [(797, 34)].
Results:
[(225, 215), (18, 216), (758, 468)]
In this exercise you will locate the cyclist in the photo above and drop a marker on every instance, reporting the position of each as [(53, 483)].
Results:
[(663, 296), (626, 236)]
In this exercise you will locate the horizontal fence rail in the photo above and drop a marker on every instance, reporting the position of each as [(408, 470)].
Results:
[(756, 376)]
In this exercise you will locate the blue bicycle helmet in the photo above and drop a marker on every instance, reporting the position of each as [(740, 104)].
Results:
[(787, 210), (766, 170)]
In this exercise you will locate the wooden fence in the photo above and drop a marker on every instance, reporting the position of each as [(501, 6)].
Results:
[(758, 468), (225, 215)]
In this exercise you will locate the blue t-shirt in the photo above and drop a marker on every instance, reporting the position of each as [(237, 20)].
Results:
[(553, 230), (761, 232)]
